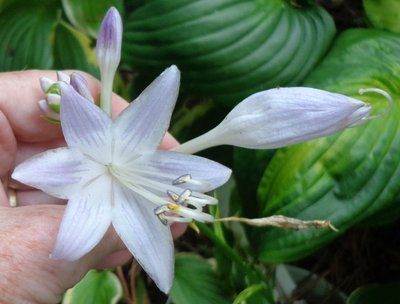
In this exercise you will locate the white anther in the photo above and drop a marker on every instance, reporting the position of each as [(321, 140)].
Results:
[(182, 179), (160, 213), (187, 178)]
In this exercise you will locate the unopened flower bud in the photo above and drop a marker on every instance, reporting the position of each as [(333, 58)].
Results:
[(48, 113), (50, 106), (61, 76), (108, 51), (281, 117), (45, 83)]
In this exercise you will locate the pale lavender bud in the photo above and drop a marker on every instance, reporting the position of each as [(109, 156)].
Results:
[(45, 83), (282, 117), (108, 50), (47, 111), (108, 47), (79, 83), (61, 76), (53, 99)]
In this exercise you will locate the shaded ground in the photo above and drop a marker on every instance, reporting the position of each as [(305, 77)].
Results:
[(346, 13), (358, 258)]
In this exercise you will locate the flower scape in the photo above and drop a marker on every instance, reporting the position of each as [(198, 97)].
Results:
[(112, 173)]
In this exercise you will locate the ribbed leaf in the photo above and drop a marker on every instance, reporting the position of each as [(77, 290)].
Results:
[(227, 49), (195, 282), (383, 14), (87, 15), (348, 177), (249, 167), (96, 287), (72, 50), (25, 33)]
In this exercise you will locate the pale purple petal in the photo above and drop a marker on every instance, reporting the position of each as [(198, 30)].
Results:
[(145, 236), (79, 83), (143, 124), (171, 165), (60, 172), (86, 220), (85, 125)]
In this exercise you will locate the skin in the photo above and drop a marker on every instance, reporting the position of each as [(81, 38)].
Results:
[(29, 231)]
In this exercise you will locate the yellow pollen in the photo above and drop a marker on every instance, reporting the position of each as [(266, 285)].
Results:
[(173, 207)]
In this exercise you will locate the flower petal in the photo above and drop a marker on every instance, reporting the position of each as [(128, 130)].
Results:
[(86, 220), (80, 84), (167, 166), (85, 125), (60, 172), (145, 236), (143, 124)]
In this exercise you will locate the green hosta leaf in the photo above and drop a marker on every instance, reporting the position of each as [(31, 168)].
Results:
[(5, 3), (102, 287), (383, 14), (87, 15), (388, 294), (25, 35), (227, 49), (72, 50), (249, 166), (195, 282), (345, 178)]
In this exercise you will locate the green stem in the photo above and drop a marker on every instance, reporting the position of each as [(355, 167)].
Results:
[(253, 274), (227, 250), (106, 95)]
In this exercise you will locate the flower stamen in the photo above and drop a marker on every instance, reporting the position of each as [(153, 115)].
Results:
[(187, 178), (179, 199), (385, 94)]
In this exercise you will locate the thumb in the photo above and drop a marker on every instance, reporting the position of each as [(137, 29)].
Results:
[(28, 236)]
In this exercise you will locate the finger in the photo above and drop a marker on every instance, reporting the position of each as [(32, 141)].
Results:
[(36, 197), (27, 240), (21, 92), (8, 145)]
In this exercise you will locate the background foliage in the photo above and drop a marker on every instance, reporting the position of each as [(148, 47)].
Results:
[(227, 50)]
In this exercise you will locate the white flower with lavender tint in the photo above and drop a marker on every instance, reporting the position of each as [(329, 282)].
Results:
[(112, 173)]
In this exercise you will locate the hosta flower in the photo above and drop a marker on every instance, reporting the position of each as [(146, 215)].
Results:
[(280, 117), (112, 173)]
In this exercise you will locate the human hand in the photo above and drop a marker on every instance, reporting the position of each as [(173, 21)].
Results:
[(29, 231)]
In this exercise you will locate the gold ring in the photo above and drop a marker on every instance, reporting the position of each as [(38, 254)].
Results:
[(12, 197)]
